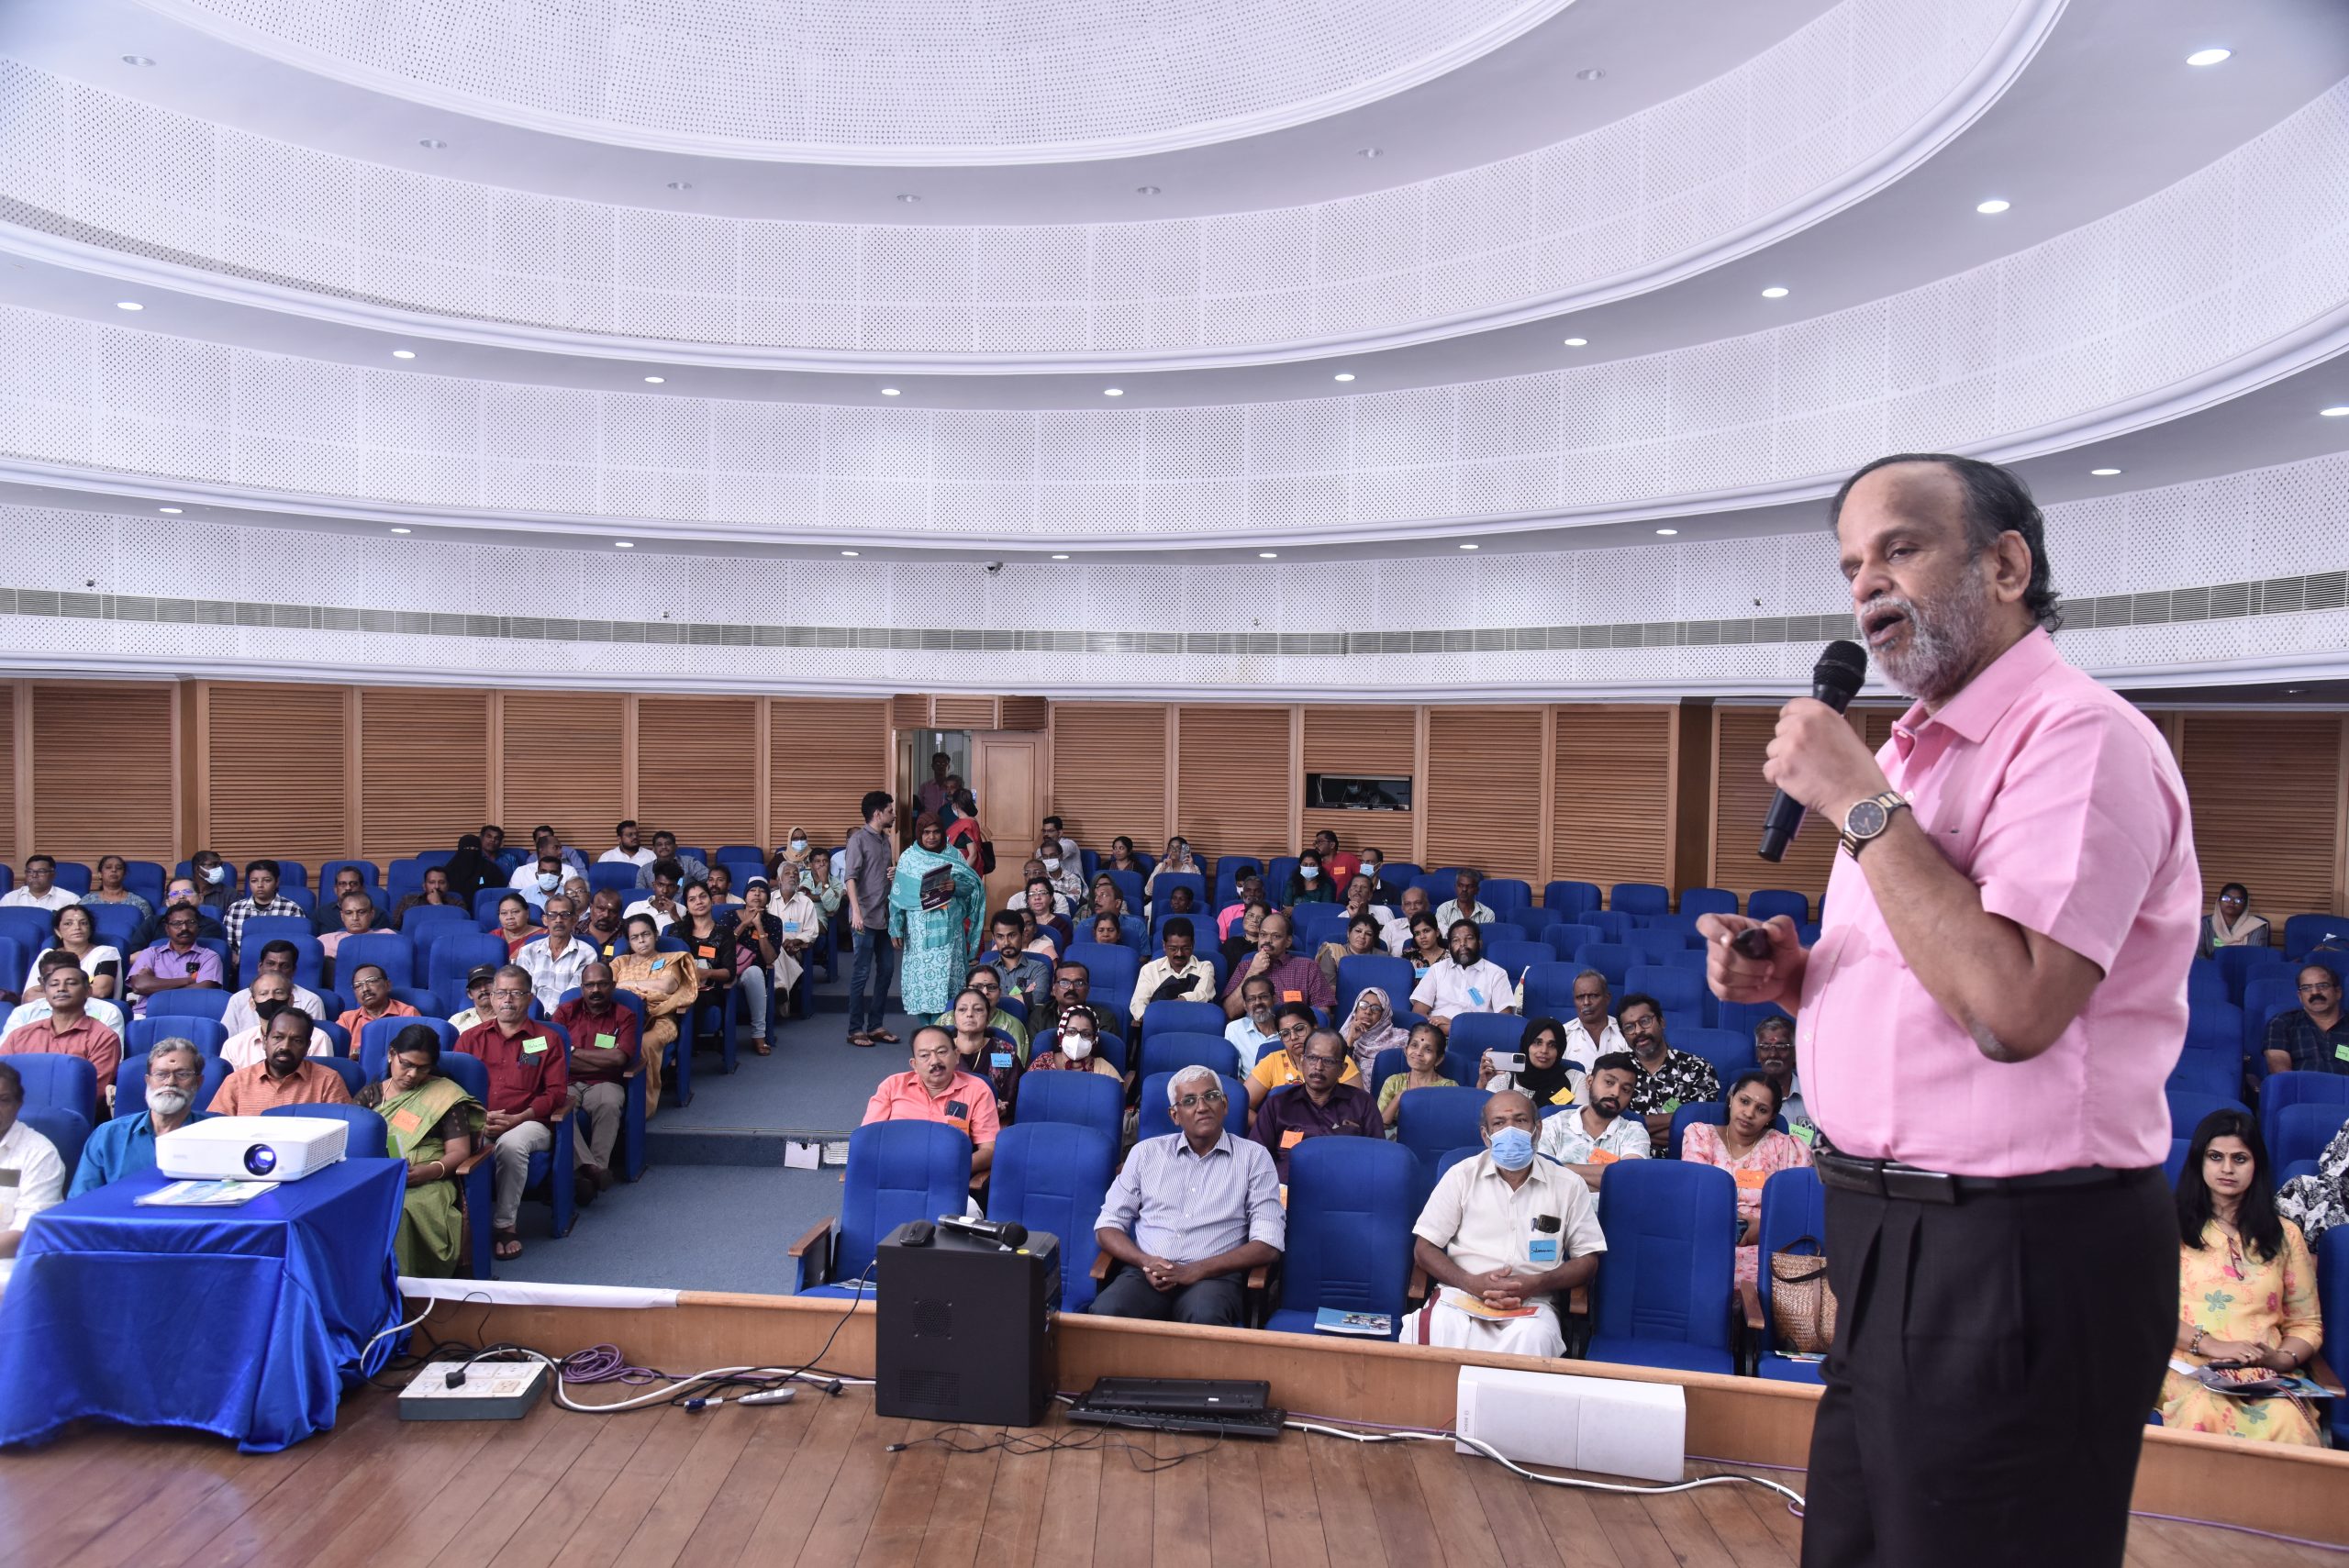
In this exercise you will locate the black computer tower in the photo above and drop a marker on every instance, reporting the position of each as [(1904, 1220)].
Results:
[(963, 1329)]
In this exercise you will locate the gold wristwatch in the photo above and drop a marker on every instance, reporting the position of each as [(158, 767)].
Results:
[(1867, 820)]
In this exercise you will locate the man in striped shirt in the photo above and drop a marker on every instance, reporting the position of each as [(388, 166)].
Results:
[(1191, 1213)]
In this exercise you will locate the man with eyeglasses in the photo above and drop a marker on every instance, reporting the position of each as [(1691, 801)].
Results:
[(2313, 1037), (174, 963), (529, 1087), (125, 1145), (938, 1090), (1292, 1025), (1190, 1214), (1320, 1107), (67, 1029)]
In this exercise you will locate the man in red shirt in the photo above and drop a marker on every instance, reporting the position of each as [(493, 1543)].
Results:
[(1343, 865), (529, 1087), (67, 1029), (604, 1049), (936, 1090)]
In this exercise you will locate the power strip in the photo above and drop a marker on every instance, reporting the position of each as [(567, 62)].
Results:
[(492, 1391)]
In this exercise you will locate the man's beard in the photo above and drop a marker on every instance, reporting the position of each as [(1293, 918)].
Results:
[(168, 1102), (1944, 643)]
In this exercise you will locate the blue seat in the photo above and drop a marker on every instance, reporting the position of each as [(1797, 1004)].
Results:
[(131, 1084), (1110, 971), (1515, 957), (1385, 1066), (1357, 971), (1613, 924), (1667, 1279), (897, 1170), (117, 925), (1549, 989), (368, 875), (344, 1068), (2187, 1111), (1083, 1099), (1639, 898), (1352, 1201), (1502, 931), (1769, 903), (2301, 932), (2205, 982), (1708, 901), (1433, 1120), (1154, 1119), (1794, 1209), (2202, 1071), (2333, 1306), (391, 951), (52, 1078), (2214, 1025), (1712, 1113), (1614, 960), (1171, 1051), (2284, 1089), (366, 1139), (73, 876), (147, 879), (1052, 1176), (1729, 1052), (1653, 942), (1162, 893), (1184, 1018), (1569, 899), (68, 1130), (2305, 1129), (2265, 995), (189, 1003), (1676, 990), (1472, 1034), (2240, 964), (208, 1035), (1563, 939), (29, 930), (2174, 1165), (453, 955)]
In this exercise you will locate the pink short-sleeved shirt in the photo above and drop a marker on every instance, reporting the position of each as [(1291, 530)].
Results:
[(2064, 806), (902, 1097)]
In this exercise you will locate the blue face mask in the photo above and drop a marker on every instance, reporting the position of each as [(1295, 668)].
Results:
[(215, 875), (1513, 1148), (548, 880)]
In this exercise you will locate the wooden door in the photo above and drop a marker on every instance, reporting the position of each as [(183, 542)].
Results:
[(1010, 769)]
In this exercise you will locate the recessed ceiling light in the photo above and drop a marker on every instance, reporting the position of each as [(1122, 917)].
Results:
[(1369, 152), (1113, 392), (1667, 533), (1591, 73), (2338, 411), (128, 305), (2292, 691), (623, 544), (1577, 342), (432, 144), (2209, 56), (654, 380), (1993, 205), (848, 552), (681, 184), (137, 59), (1145, 190), (888, 392), (168, 511), (2104, 472), (1059, 558), (1268, 555), (1773, 292), (403, 530), (402, 354), (1343, 375), (1467, 547), (907, 197)]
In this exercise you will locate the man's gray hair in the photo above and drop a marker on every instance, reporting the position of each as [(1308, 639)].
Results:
[(166, 1047), (1174, 1084), (514, 972), (1594, 974)]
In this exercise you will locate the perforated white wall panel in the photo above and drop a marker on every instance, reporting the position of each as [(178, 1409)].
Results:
[(2244, 569), (1657, 187)]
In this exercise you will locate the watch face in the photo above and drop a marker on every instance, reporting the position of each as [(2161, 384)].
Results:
[(1866, 820)]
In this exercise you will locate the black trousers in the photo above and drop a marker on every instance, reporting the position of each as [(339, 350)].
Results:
[(1994, 1364), (1219, 1299)]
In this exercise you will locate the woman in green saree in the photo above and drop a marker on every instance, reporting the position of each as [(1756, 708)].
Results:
[(937, 910), (434, 1125)]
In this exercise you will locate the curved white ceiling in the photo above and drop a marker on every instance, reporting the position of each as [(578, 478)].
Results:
[(901, 81)]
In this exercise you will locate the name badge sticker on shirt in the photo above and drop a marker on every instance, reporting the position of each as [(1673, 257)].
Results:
[(1668, 1107), (1300, 997), (1002, 1060), (533, 1047), (406, 1120), (1750, 1180), (608, 1042), (791, 928), (1806, 1132), (1601, 1157), (1475, 996), (1542, 1250), (2341, 1052), (708, 950), (1292, 1137)]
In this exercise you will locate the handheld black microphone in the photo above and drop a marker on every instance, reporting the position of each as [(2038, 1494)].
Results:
[(1004, 1233), (1834, 681)]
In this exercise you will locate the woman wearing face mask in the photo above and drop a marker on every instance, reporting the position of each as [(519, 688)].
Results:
[(430, 1122), (667, 985), (1750, 1150), (1361, 939), (470, 871), (1076, 1049), (515, 923), (986, 1053), (1067, 879), (1370, 1028), (1306, 884), (1549, 1079), (966, 836)]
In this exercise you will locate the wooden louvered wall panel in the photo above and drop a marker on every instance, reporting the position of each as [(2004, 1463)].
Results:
[(1484, 789), (2265, 793), (559, 758), (1024, 713), (423, 769), (1741, 800), (1231, 779), (278, 772), (959, 712), (102, 771), (1109, 773), (823, 753), (10, 850), (697, 769), (1367, 742), (1611, 803)]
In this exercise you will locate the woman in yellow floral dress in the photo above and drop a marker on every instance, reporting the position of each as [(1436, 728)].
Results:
[(2247, 1288)]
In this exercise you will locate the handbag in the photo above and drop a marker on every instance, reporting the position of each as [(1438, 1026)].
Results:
[(1802, 1305)]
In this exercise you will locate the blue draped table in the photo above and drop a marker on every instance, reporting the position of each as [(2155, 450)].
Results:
[(242, 1321)]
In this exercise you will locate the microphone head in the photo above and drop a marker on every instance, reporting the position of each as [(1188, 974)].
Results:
[(1015, 1234), (1842, 666)]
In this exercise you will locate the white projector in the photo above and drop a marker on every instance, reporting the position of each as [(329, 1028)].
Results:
[(251, 1148)]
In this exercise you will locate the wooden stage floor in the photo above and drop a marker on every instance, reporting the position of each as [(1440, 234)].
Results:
[(810, 1483)]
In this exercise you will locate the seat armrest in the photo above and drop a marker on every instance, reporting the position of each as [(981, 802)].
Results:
[(813, 1255), (475, 1158), (1101, 1265), (1417, 1291), (1751, 1295), (1259, 1276)]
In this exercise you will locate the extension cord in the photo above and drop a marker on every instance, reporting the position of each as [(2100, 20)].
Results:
[(484, 1391), (765, 1397)]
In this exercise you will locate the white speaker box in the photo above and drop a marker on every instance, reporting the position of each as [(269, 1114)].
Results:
[(1577, 1423)]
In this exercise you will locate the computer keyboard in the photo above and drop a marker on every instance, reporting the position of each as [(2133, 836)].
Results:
[(1265, 1423)]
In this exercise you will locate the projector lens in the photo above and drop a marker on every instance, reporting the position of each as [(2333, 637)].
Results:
[(261, 1159)]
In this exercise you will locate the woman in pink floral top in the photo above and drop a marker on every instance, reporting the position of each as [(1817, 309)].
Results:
[(1751, 1151)]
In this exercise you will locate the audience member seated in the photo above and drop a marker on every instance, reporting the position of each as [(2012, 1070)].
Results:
[(1076, 1048), (435, 896), (1191, 1212), (32, 1176), (662, 903), (1361, 898), (1072, 993), (108, 890), (603, 929), (477, 983), (39, 891), (1057, 841), (2247, 1288), (371, 988), (1255, 1030), (1371, 1028), (1294, 1025), (1318, 1107), (76, 930), (125, 1145), (989, 983), (1773, 1049), (2313, 1037), (67, 1029), (1295, 977), (1548, 1078), (1106, 899), (1505, 1235), (1176, 861), (1668, 1078), (628, 848), (1107, 930), (2318, 1203), (555, 960), (529, 1087), (667, 984), (981, 1052), (1338, 867), (937, 1089), (261, 897), (1043, 912), (1360, 940), (1423, 1062), (2231, 923), (276, 958), (1123, 858), (181, 893), (545, 838), (1063, 874), (534, 883), (603, 1046), (35, 1007), (720, 884), (1025, 976), (1751, 1151), (355, 916), (1424, 946), (1463, 981), (471, 869), (758, 951), (1588, 1137), (1248, 890), (518, 921), (1307, 883), (430, 1122), (1241, 939), (329, 920), (271, 994), (211, 877), (1591, 1032), (284, 1076), (1384, 894), (1179, 976), (691, 871), (1463, 904)]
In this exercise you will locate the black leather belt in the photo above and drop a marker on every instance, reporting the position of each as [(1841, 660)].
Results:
[(1891, 1179)]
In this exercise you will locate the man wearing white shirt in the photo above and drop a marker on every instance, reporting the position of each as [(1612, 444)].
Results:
[(40, 890), (277, 958), (1464, 904), (802, 924), (1183, 976), (1468, 981), (663, 904), (1398, 934), (627, 850), (1254, 1029), (37, 1008), (539, 879), (271, 995), (32, 1176), (1589, 1137), (1591, 1032), (556, 960)]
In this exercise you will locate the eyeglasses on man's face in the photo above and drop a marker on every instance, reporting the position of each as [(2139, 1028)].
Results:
[(1204, 1097)]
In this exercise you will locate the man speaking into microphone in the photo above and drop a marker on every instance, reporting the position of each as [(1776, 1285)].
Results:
[(1983, 1031)]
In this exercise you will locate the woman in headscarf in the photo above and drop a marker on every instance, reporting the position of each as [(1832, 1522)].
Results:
[(1550, 1078), (1371, 1029), (2231, 923), (470, 871), (430, 1122), (795, 853), (937, 914)]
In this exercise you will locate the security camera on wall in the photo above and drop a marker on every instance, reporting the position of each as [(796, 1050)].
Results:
[(994, 567)]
